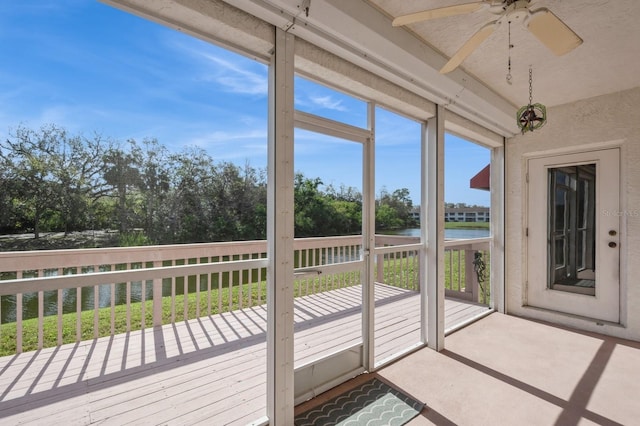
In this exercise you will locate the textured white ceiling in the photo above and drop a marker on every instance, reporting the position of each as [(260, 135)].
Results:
[(608, 60)]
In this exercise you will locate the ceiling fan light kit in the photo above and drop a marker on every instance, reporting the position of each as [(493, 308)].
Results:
[(550, 30)]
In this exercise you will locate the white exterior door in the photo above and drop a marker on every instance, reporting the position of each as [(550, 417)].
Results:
[(573, 232)]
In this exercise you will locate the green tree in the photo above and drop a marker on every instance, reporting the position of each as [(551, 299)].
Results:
[(29, 159), (122, 174), (79, 171), (7, 211), (394, 209), (189, 212), (154, 183), (317, 214)]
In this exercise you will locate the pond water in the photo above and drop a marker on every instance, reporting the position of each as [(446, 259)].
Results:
[(450, 234)]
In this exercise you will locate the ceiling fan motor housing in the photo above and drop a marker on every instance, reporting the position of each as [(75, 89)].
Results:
[(517, 10)]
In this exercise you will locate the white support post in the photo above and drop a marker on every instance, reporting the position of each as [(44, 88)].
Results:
[(435, 230), (497, 284), (368, 244), (424, 233), (280, 233)]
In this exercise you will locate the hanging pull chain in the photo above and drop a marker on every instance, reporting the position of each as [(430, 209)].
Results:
[(530, 86), (509, 77)]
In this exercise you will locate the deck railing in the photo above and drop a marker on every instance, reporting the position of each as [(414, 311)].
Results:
[(466, 264), (60, 296), (467, 271)]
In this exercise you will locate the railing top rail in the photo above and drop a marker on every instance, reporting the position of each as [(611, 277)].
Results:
[(471, 243), (28, 285), (395, 239), (397, 248), (46, 259), (53, 259)]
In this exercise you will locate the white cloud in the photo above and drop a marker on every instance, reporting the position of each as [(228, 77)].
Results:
[(328, 102), (225, 136), (229, 145), (234, 72)]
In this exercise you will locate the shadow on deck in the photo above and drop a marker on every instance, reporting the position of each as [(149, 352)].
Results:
[(213, 367)]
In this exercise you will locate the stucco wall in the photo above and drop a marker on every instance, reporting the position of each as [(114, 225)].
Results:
[(610, 120)]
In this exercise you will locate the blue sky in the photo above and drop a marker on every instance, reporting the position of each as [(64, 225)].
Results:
[(89, 67)]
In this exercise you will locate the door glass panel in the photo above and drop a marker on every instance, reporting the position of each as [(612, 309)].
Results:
[(559, 252), (327, 250), (571, 229), (561, 203)]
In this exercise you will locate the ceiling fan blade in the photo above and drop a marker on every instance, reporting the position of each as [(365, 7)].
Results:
[(441, 12), (552, 32), (468, 48)]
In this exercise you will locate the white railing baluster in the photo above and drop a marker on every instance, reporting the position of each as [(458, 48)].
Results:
[(59, 311), (157, 297), (198, 283), (416, 271), (96, 311), (334, 277), (112, 303), (128, 298), (173, 297), (263, 278), (40, 313), (253, 273), (230, 287), (448, 259), (19, 323), (460, 265), (209, 279), (19, 275), (219, 276), (240, 292), (143, 303), (78, 314), (311, 284), (185, 295)]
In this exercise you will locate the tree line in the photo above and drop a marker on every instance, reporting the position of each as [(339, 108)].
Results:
[(51, 180)]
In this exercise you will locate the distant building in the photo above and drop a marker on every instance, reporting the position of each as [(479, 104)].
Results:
[(459, 214), (466, 214)]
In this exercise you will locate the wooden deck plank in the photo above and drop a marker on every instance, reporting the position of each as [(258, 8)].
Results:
[(158, 375)]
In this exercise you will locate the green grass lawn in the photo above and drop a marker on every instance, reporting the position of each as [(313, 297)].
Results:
[(466, 225)]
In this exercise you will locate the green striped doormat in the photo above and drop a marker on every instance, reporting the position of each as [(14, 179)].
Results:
[(372, 403)]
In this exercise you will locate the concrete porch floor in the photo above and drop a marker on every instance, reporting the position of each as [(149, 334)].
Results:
[(505, 370)]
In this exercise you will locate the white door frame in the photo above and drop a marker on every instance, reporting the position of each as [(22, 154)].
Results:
[(605, 304)]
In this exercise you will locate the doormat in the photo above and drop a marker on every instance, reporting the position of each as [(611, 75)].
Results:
[(373, 402)]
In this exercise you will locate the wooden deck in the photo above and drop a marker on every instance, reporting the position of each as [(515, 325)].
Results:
[(206, 371)]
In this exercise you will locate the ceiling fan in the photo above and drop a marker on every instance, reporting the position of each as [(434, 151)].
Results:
[(542, 23)]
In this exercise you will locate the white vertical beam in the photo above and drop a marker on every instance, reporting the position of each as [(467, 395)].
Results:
[(435, 230), (280, 233), (424, 233), (497, 284), (368, 243)]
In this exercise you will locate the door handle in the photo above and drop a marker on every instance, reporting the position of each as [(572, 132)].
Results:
[(612, 244)]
